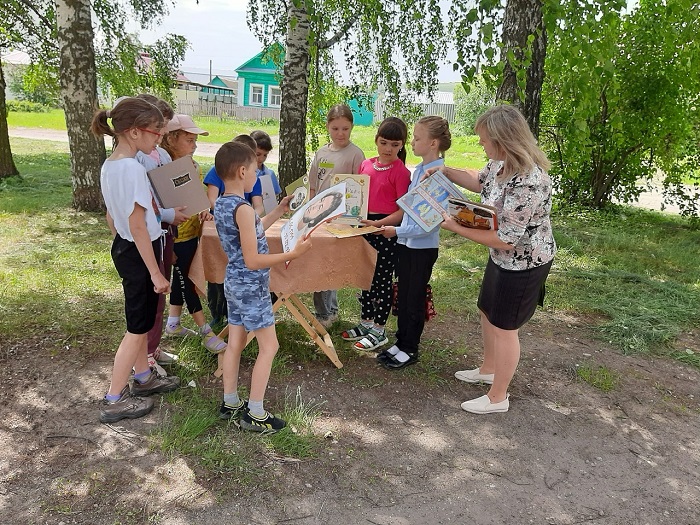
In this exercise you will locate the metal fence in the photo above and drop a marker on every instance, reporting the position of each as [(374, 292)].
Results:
[(207, 108), (446, 111)]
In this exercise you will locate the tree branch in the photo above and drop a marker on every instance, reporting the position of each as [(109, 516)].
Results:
[(49, 25), (339, 34)]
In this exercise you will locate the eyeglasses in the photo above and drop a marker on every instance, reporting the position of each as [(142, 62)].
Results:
[(158, 133)]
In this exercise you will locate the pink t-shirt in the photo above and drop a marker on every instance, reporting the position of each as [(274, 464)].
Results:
[(385, 185)]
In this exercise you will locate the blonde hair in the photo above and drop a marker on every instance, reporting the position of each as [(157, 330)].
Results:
[(439, 129), (508, 130)]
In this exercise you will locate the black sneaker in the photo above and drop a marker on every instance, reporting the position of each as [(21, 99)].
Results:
[(155, 385), (233, 414), (127, 406), (267, 425)]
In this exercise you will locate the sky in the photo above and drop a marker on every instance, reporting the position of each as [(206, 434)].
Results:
[(217, 32)]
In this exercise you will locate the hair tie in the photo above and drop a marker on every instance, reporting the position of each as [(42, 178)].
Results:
[(108, 114)]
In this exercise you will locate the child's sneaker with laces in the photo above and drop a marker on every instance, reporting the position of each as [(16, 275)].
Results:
[(155, 385), (268, 424), (233, 413), (127, 406)]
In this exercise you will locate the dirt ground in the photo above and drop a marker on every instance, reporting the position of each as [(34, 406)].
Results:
[(400, 450)]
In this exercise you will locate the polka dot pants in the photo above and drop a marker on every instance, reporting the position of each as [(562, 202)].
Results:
[(376, 302)]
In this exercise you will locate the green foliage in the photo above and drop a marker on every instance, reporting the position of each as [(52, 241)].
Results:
[(620, 100), (479, 49), (132, 68), (471, 100), (27, 107), (36, 83), (367, 38), (31, 26)]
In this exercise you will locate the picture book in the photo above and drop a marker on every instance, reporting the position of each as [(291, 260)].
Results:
[(472, 214), (269, 196), (426, 203), (299, 190), (325, 206), (356, 198), (178, 184)]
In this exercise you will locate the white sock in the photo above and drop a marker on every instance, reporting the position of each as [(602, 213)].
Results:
[(204, 329), (367, 324), (402, 356), (393, 350), (377, 329), (173, 321)]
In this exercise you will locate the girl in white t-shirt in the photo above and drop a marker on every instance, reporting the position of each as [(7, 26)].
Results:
[(337, 157), (133, 218)]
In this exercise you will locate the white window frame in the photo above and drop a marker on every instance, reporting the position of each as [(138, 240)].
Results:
[(270, 96), (262, 95)]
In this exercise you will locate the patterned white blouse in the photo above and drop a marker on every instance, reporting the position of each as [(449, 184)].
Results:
[(523, 204)]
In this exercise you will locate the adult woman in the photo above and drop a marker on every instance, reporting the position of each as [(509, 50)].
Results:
[(516, 183)]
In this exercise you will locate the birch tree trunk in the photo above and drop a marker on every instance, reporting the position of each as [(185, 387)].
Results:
[(7, 163), (79, 97), (295, 94), (522, 19)]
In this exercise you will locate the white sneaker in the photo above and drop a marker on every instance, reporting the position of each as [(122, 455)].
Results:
[(165, 358), (483, 405), (474, 376), (155, 366)]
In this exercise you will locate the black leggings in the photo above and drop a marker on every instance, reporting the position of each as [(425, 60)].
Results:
[(183, 290), (376, 302)]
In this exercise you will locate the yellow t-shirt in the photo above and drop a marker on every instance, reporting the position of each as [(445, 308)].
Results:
[(192, 227)]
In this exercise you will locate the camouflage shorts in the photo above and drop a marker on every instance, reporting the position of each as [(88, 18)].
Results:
[(250, 305)]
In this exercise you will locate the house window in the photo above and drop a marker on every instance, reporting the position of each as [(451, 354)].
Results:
[(256, 95), (274, 97)]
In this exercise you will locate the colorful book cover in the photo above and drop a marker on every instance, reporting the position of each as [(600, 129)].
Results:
[(426, 202), (299, 190), (356, 198), (325, 206), (472, 214)]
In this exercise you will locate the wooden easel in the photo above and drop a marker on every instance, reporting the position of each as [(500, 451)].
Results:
[(305, 318)]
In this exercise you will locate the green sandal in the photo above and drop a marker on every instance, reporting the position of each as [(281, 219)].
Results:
[(371, 341), (356, 333)]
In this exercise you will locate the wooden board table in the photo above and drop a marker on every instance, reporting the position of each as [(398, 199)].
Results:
[(330, 264)]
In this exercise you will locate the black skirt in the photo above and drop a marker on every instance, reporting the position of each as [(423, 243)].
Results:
[(509, 298)]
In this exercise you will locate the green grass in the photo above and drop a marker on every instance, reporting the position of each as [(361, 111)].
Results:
[(599, 377), (54, 119), (633, 272)]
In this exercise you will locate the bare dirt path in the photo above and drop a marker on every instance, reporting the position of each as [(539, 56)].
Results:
[(204, 149)]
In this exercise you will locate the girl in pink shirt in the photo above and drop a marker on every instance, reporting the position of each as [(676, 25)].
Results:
[(389, 180)]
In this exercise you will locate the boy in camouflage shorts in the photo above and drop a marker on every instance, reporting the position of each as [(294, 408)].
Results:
[(247, 285)]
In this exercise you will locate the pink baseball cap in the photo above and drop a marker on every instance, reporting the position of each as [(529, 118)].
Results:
[(185, 123)]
